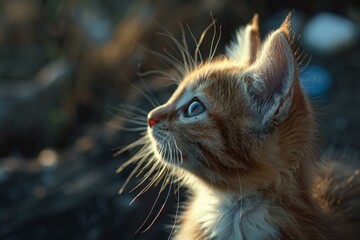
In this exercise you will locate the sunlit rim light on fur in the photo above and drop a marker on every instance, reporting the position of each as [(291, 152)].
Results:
[(145, 158), (186, 61)]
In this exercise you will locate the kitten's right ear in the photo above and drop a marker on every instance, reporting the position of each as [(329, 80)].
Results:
[(247, 43), (272, 75)]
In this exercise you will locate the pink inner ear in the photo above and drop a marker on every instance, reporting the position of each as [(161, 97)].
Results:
[(273, 75), (275, 66)]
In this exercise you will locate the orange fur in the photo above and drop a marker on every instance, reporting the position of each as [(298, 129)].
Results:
[(255, 140)]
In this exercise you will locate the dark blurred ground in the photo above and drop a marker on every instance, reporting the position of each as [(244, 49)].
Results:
[(65, 65)]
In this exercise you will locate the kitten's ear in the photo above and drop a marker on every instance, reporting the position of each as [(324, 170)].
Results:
[(247, 43), (272, 76)]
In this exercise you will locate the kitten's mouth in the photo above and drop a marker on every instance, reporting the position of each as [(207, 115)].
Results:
[(166, 149), (167, 154)]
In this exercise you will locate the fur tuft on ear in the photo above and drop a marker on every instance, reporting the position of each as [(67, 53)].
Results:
[(247, 43), (272, 75), (286, 25)]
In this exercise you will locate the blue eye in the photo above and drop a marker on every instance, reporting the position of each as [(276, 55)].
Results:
[(195, 108)]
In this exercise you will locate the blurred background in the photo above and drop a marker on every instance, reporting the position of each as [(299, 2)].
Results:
[(66, 66)]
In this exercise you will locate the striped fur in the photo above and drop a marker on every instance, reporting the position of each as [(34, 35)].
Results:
[(251, 159)]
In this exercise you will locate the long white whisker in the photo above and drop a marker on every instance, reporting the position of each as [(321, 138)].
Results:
[(158, 175), (173, 77), (217, 43), (130, 176), (213, 38), (161, 209), (163, 205), (139, 142), (149, 98), (134, 108), (190, 60), (150, 94), (152, 208), (186, 65), (201, 39), (143, 153), (132, 120), (176, 192), (182, 47), (167, 60), (135, 129), (176, 146)]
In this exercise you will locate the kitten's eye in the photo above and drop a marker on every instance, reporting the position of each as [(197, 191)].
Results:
[(195, 108)]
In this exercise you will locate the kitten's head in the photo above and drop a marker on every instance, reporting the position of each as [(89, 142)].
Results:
[(235, 119)]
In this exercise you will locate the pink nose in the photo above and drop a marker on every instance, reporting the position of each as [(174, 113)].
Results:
[(152, 122), (157, 115)]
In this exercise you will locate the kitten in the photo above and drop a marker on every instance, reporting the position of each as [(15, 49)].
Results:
[(240, 133)]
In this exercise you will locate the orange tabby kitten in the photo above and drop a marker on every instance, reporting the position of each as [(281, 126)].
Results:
[(240, 133)]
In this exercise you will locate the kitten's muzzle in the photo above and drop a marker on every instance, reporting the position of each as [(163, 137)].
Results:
[(159, 114), (152, 122), (154, 117)]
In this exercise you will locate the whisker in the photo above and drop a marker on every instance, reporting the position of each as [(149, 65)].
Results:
[(183, 50), (161, 209), (130, 176), (142, 154), (176, 211), (130, 120), (166, 75), (167, 60), (176, 146), (136, 129), (145, 189), (190, 60), (217, 43), (201, 39), (213, 38), (156, 217), (134, 108), (195, 41), (175, 189), (148, 216), (171, 158), (153, 168), (181, 47), (152, 101), (150, 172), (151, 211), (150, 93), (159, 175), (156, 71), (172, 57), (150, 162), (127, 114), (138, 142)]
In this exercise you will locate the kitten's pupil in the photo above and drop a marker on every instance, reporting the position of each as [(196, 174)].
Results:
[(195, 108)]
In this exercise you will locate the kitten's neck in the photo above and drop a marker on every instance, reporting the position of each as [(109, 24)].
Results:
[(236, 217)]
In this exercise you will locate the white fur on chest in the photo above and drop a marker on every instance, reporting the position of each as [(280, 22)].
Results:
[(222, 218)]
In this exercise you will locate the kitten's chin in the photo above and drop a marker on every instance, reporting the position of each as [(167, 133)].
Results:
[(177, 162), (168, 156)]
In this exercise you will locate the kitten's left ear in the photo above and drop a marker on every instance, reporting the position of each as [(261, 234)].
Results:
[(246, 44), (272, 75)]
